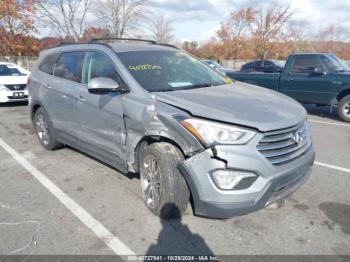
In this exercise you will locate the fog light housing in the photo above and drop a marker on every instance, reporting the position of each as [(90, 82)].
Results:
[(229, 179)]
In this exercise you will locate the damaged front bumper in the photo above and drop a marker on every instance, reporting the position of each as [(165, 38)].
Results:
[(272, 182)]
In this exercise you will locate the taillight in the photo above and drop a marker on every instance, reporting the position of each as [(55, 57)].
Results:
[(29, 81)]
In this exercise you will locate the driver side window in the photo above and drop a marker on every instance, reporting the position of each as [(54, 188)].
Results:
[(98, 65), (305, 64)]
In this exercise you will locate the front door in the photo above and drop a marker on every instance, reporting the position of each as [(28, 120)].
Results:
[(100, 116), (303, 85)]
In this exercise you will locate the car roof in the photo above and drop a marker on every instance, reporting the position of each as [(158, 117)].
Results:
[(116, 47), (120, 48)]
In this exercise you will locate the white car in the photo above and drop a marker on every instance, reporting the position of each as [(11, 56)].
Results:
[(13, 83)]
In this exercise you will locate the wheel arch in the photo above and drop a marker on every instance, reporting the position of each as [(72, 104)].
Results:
[(342, 94), (147, 140), (34, 107)]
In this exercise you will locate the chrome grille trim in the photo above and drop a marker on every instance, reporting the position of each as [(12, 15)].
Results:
[(280, 147)]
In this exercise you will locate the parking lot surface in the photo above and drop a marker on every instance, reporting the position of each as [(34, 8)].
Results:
[(83, 201)]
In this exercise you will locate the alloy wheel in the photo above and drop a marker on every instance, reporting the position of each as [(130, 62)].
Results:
[(151, 181)]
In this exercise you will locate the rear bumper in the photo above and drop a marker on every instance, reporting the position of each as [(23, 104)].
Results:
[(273, 183), (9, 96)]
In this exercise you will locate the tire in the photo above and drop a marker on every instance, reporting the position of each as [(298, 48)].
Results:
[(45, 130), (343, 108), (161, 160)]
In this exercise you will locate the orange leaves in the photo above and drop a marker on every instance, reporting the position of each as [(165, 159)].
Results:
[(16, 22)]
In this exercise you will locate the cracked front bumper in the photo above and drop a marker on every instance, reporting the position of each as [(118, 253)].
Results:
[(272, 184)]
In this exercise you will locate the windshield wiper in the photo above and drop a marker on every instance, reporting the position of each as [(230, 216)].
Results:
[(197, 86)]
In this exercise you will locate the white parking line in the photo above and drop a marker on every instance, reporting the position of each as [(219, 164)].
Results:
[(118, 247), (338, 168), (328, 123)]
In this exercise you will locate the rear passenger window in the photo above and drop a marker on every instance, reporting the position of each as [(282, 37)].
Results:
[(305, 64), (69, 66), (48, 64), (99, 65)]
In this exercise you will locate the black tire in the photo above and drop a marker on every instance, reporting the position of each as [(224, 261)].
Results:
[(173, 189), (343, 106), (49, 142)]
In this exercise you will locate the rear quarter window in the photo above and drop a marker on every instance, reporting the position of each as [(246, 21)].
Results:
[(48, 64)]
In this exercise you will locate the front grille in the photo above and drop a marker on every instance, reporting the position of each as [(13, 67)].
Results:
[(284, 146), (16, 87)]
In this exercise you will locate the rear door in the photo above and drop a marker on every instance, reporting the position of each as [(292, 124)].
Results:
[(300, 82), (57, 76), (100, 116)]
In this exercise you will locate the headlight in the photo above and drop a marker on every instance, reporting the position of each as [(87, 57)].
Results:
[(3, 88), (211, 133)]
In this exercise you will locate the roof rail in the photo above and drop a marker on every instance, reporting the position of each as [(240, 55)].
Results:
[(122, 39), (131, 39), (67, 43), (96, 41)]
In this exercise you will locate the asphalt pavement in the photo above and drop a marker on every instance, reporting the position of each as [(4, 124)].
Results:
[(66, 203)]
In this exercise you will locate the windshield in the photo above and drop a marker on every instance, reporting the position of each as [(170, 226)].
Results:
[(334, 64), (7, 70), (158, 71)]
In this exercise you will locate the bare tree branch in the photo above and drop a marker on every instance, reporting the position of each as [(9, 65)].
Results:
[(120, 17), (161, 29), (67, 17)]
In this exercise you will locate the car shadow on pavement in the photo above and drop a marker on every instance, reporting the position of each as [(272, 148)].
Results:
[(322, 111), (175, 238)]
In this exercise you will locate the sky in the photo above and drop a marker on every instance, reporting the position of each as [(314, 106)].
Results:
[(199, 19)]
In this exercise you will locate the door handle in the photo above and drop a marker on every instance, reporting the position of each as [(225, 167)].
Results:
[(47, 86), (80, 98), (290, 79)]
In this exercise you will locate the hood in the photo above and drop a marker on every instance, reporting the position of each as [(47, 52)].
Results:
[(240, 104), (13, 80)]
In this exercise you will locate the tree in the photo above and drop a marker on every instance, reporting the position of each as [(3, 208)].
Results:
[(162, 30), (120, 17), (95, 32), (233, 32), (268, 27), (67, 17), (16, 23)]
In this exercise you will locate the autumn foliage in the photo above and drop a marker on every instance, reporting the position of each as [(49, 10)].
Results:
[(256, 33), (250, 33), (16, 26)]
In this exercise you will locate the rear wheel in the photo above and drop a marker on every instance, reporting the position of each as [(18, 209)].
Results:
[(164, 189), (45, 130), (344, 108)]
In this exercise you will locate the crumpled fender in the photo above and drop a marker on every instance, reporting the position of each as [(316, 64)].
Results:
[(147, 117)]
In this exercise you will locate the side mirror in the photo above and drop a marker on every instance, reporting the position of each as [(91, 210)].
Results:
[(318, 71), (102, 85)]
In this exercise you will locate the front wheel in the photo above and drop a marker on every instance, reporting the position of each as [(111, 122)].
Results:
[(164, 189), (344, 108)]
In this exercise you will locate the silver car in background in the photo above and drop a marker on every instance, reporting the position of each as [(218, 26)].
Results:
[(194, 136)]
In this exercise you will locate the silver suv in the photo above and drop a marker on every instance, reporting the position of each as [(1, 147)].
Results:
[(194, 136)]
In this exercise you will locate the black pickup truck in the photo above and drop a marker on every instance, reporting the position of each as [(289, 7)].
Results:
[(321, 79)]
